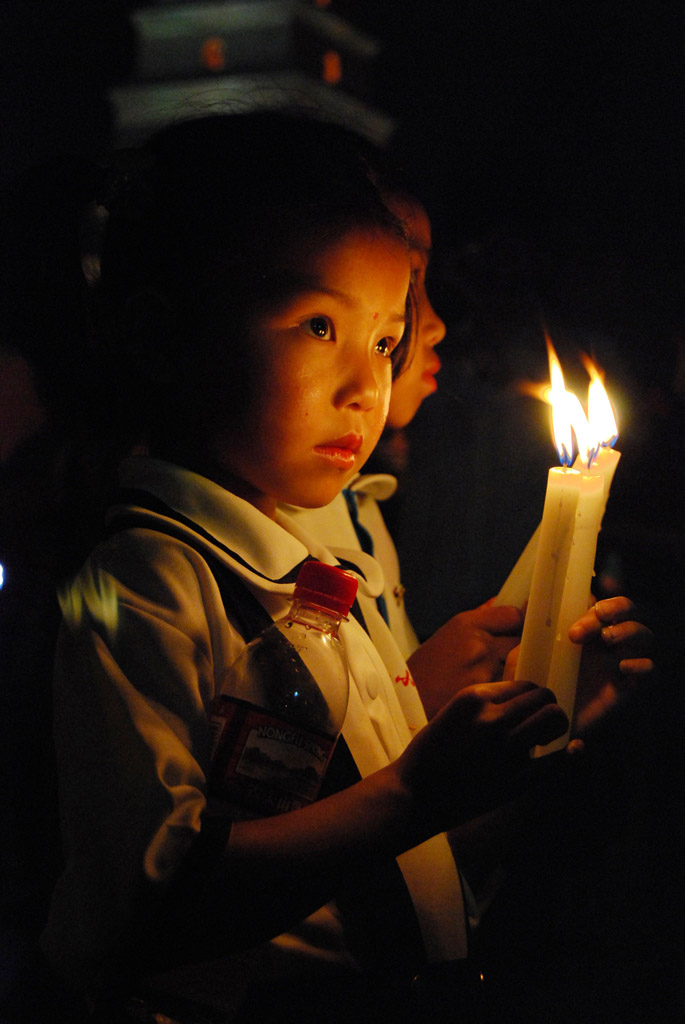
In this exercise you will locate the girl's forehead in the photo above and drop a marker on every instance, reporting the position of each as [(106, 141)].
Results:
[(368, 267), (355, 244)]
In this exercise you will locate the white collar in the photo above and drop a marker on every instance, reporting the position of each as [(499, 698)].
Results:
[(380, 486), (263, 551)]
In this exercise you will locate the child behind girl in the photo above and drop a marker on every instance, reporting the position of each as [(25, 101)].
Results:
[(252, 301)]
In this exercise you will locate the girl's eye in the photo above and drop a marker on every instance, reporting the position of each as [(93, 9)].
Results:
[(319, 327), (385, 346)]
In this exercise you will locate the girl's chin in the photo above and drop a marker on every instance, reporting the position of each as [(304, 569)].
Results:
[(321, 488), (317, 500), (317, 497)]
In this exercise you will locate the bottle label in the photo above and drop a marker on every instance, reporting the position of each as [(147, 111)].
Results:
[(261, 764)]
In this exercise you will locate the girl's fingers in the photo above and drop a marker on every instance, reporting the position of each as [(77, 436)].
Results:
[(614, 609), (610, 611), (630, 636), (505, 690), (632, 643), (636, 666), (544, 725), (528, 713)]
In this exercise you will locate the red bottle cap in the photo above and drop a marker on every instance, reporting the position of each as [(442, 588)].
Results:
[(326, 586)]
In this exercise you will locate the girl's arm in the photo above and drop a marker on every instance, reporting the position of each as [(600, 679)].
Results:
[(276, 871), (133, 747)]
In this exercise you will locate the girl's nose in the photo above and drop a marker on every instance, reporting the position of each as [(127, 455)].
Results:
[(363, 382)]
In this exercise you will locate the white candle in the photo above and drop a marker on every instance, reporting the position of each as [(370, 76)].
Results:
[(605, 466), (595, 433), (560, 585), (560, 589), (516, 588)]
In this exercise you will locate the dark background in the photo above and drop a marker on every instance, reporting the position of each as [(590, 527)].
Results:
[(547, 142), (560, 126)]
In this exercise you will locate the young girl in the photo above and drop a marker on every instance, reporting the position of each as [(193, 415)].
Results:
[(354, 519), (253, 297)]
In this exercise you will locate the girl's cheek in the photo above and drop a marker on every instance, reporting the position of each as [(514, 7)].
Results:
[(385, 404), (378, 425)]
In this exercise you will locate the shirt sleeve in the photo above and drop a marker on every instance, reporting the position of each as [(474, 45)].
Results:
[(139, 659)]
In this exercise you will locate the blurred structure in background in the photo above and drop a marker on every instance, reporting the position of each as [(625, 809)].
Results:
[(193, 58)]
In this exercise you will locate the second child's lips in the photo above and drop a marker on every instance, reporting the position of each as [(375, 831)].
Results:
[(431, 370)]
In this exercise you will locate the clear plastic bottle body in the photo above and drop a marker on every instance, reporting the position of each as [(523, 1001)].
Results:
[(279, 715)]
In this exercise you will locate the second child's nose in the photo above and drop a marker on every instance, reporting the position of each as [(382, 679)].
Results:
[(432, 328)]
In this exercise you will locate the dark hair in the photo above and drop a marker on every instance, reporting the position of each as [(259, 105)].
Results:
[(205, 220)]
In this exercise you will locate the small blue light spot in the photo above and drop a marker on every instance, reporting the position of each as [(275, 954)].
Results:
[(2, 575)]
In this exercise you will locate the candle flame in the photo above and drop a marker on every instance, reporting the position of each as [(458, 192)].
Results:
[(601, 416), (592, 431), (568, 415)]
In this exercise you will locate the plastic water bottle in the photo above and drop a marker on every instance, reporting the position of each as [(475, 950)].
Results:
[(283, 702)]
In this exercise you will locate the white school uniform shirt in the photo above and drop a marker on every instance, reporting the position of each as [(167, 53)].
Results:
[(332, 526), (141, 657)]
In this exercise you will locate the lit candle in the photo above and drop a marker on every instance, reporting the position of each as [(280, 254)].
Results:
[(516, 588), (561, 584), (601, 423), (565, 549)]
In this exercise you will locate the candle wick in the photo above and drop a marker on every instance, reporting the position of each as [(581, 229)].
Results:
[(564, 456)]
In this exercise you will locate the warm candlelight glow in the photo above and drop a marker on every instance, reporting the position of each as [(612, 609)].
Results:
[(595, 436), (601, 416), (554, 573), (593, 430)]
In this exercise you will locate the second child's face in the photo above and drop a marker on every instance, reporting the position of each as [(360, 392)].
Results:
[(417, 381), (320, 375)]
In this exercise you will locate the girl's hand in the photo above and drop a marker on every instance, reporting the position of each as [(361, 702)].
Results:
[(474, 753), (471, 648), (616, 649)]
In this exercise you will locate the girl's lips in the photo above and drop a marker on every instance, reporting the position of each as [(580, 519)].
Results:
[(343, 450)]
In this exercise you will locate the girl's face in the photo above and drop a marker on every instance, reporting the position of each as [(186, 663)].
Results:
[(320, 375), (417, 381)]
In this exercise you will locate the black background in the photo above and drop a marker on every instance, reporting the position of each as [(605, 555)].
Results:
[(547, 141)]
